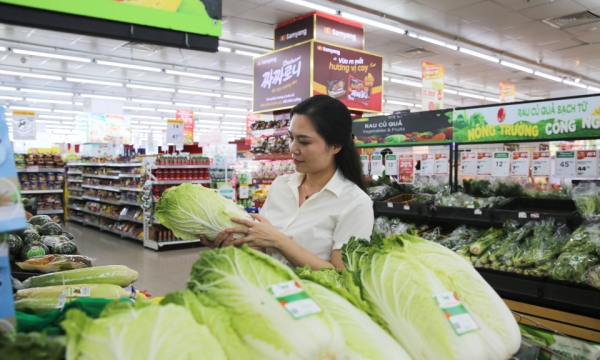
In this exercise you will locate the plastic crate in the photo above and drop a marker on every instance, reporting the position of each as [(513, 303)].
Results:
[(527, 209), (461, 215)]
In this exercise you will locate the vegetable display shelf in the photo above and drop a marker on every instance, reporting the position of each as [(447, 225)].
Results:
[(109, 177)]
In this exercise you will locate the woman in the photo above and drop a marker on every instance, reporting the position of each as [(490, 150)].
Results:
[(310, 214)]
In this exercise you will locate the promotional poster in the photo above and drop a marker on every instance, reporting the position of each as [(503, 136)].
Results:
[(432, 94)]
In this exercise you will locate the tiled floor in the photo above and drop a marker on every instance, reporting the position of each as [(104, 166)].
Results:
[(159, 272)]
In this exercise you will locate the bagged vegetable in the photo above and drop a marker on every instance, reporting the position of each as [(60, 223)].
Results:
[(489, 237), (112, 274), (571, 266), (592, 276), (586, 199), (585, 238), (380, 193), (53, 263)]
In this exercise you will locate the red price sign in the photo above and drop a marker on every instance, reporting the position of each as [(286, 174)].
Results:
[(406, 169)]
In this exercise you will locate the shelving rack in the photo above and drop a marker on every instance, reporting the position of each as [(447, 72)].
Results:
[(42, 170)]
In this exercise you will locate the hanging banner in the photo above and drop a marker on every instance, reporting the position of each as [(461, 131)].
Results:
[(23, 125), (565, 164), (188, 125), (441, 164), (541, 163), (174, 131), (468, 163), (406, 168), (432, 94), (427, 164), (107, 128), (484, 163), (587, 163), (251, 119), (521, 162), (507, 92)]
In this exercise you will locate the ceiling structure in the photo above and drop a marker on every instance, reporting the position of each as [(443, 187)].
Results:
[(557, 38)]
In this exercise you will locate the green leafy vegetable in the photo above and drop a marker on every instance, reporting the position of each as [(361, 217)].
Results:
[(592, 277), (32, 346)]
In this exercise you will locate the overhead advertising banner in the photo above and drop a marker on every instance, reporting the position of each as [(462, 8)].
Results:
[(320, 27), (188, 125), (334, 32), (23, 125), (109, 128), (295, 32), (281, 78), (432, 93), (422, 128), (250, 119), (189, 16), (543, 120), (352, 76), (507, 92)]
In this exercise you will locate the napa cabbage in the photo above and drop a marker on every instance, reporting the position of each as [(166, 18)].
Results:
[(190, 210)]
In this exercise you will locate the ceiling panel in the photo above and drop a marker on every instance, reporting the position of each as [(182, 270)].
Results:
[(464, 30), (232, 8), (503, 21), (520, 31), (479, 11), (447, 5), (548, 36), (441, 21), (411, 11), (522, 4), (589, 4), (561, 45), (380, 5), (553, 9)]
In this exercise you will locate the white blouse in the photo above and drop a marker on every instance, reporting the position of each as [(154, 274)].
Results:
[(325, 221)]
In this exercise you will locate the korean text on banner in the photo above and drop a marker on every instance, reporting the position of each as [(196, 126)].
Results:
[(507, 92), (23, 125), (432, 95), (188, 125)]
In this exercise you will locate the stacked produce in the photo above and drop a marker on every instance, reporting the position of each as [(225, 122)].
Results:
[(513, 188), (463, 200)]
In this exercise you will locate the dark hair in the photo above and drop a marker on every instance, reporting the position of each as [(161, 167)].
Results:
[(332, 120)]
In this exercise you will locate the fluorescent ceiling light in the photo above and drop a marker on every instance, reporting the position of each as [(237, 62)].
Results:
[(152, 102), (224, 49), (151, 123), (407, 82), (313, 6), (103, 97), (166, 110), (231, 109), (15, 98), (515, 66), (2, 48), (201, 76), (201, 122), (47, 77), (237, 97), (133, 86), (47, 121), (418, 105), (194, 105), (6, 88), (479, 55), (247, 53), (54, 56), (68, 111), (78, 103), (50, 101), (138, 108), (235, 116), (59, 127), (86, 81), (573, 83), (129, 66), (199, 93), (56, 117), (209, 114), (58, 93), (433, 41), (399, 103), (145, 117), (471, 95), (492, 99), (591, 88), (241, 81), (378, 24), (546, 76), (451, 91), (30, 108), (385, 78)]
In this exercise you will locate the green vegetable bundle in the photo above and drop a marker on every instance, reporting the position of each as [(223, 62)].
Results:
[(586, 238), (587, 199), (489, 237), (592, 277), (571, 266)]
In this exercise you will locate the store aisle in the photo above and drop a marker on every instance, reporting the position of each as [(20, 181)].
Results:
[(159, 272)]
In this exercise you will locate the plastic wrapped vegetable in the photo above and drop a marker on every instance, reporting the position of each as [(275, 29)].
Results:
[(491, 236), (112, 274), (54, 263), (50, 228), (549, 248), (592, 277), (512, 241), (460, 237), (586, 238), (14, 246), (586, 199), (33, 250), (571, 266), (542, 235), (40, 220), (380, 193)]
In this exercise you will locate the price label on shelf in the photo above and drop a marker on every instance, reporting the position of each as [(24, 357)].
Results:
[(406, 207), (33, 168), (564, 164), (427, 164), (441, 164), (541, 163), (243, 191), (406, 168), (174, 131), (587, 163), (391, 165), (501, 163), (376, 164), (365, 163), (520, 163), (468, 163), (484, 163)]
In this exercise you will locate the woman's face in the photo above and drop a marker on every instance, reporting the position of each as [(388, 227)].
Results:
[(309, 150)]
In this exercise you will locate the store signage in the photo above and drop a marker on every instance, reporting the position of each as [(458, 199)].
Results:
[(427, 164), (543, 120), (565, 164), (521, 162), (406, 168), (501, 163), (587, 163), (23, 125), (188, 125), (468, 163), (338, 33), (541, 163), (507, 92), (376, 164), (365, 164), (422, 128), (107, 128), (251, 119), (282, 78), (175, 131), (432, 93), (352, 76), (391, 165), (179, 15), (484, 163), (295, 32), (441, 164)]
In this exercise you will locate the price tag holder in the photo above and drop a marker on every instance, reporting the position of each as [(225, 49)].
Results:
[(520, 163), (565, 164), (501, 163), (406, 171), (294, 299), (471, 206), (365, 163), (441, 164), (376, 164), (391, 165), (243, 191), (406, 207), (427, 164), (587, 163), (84, 291), (174, 131), (484, 163), (390, 205), (468, 163), (541, 163), (34, 168), (535, 215), (522, 215), (478, 212), (62, 299), (456, 313)]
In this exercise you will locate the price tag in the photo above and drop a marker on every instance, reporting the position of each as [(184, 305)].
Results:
[(484, 163), (365, 163), (376, 164), (34, 168), (522, 215), (391, 165), (456, 313), (174, 131), (501, 163), (62, 299), (541, 163), (535, 215), (84, 291), (565, 164), (478, 212), (294, 299), (471, 206), (468, 163), (520, 163), (427, 164), (406, 207), (587, 163), (406, 171), (441, 164), (243, 191), (390, 205)]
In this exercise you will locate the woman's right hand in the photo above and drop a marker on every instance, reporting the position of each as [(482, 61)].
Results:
[(221, 239)]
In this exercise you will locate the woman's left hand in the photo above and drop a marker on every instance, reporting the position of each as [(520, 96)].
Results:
[(261, 234)]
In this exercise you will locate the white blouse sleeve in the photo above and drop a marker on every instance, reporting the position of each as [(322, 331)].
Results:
[(356, 220)]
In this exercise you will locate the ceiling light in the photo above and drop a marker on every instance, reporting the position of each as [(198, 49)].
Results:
[(247, 53), (418, 105), (591, 88), (471, 95), (407, 82), (201, 76), (103, 97), (145, 117), (313, 6), (58, 93), (152, 102), (515, 66), (201, 122), (78, 103), (378, 24), (209, 114), (138, 108), (140, 131), (54, 56), (50, 101), (133, 86), (194, 105), (230, 109), (86, 81), (235, 116), (15, 98), (129, 66), (56, 117), (492, 99), (573, 83), (47, 77), (224, 49), (385, 78), (68, 111), (151, 123), (159, 127), (241, 81), (479, 55), (6, 88), (549, 77), (199, 93), (139, 127), (30, 108), (47, 121), (451, 91), (399, 103), (433, 41), (237, 97), (166, 110), (2, 48)]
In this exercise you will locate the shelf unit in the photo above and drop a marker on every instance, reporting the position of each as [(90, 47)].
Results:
[(131, 189), (100, 187), (107, 177), (39, 170), (50, 212), (177, 182), (181, 167), (98, 199), (32, 192), (130, 175), (26, 173)]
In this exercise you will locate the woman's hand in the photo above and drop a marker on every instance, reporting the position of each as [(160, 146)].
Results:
[(220, 240), (257, 234)]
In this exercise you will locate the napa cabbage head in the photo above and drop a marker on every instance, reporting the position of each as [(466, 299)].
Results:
[(124, 332), (190, 210)]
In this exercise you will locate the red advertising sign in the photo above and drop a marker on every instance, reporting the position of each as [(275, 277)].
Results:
[(250, 119), (352, 76), (188, 125), (406, 168), (294, 32), (335, 32)]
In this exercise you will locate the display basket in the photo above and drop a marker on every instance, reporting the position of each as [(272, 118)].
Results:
[(400, 206), (533, 351), (526, 209)]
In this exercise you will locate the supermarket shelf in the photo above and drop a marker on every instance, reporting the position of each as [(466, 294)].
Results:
[(27, 192), (74, 189), (50, 212), (112, 217), (75, 218), (55, 170), (130, 175), (120, 233), (109, 177), (100, 187), (273, 157), (175, 182), (132, 203), (131, 219), (131, 189), (75, 197), (179, 242), (106, 164), (180, 167), (93, 198), (74, 180), (74, 173)]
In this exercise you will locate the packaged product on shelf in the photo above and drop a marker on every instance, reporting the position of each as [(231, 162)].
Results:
[(55, 263), (112, 274)]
